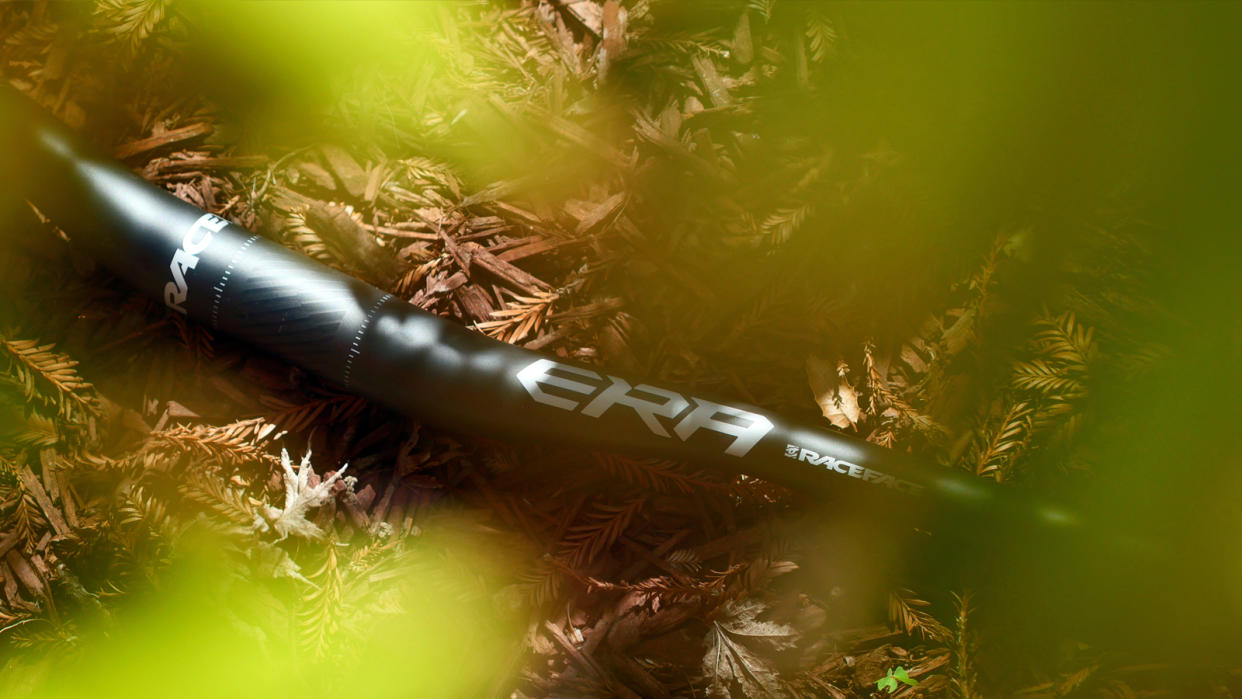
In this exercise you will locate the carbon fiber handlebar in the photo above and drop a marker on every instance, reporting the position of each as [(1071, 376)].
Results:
[(385, 349)]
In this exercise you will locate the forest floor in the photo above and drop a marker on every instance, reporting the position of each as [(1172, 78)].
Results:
[(663, 188)]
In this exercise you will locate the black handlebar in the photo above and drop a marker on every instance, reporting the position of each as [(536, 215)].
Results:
[(383, 348)]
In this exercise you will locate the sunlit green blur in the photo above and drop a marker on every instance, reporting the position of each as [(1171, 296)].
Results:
[(212, 629)]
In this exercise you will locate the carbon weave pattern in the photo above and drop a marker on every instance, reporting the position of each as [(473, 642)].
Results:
[(288, 306)]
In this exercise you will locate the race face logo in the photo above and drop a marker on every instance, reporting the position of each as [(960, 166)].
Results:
[(648, 402), (846, 468), (186, 258)]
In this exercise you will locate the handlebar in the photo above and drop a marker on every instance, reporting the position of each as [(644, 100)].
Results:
[(379, 346)]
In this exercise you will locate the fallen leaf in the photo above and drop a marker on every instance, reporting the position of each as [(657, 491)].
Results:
[(836, 397), (736, 645)]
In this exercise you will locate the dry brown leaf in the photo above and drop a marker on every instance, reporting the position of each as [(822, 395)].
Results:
[(737, 644), (836, 397)]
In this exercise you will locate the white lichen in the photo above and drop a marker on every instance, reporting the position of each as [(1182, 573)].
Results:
[(300, 497)]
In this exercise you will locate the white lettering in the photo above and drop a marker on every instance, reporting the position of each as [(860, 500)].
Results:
[(537, 373), (618, 393), (704, 416), (186, 258), (846, 468), (747, 432)]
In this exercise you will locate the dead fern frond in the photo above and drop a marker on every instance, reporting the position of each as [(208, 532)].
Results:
[(233, 505), (1002, 440), (324, 607), (1041, 377), (909, 614), (762, 7), (521, 319), (820, 34), (683, 46), (301, 236), (325, 411), (541, 583), (757, 574), (957, 335), (1072, 681), (234, 444), (36, 432), (131, 21), (685, 560), (669, 589), (36, 34), (1056, 379), (780, 225), (1065, 350), (139, 510), (884, 400), (25, 518), (1066, 341), (965, 647), (46, 635), (35, 368), (656, 474), (603, 526), (797, 204)]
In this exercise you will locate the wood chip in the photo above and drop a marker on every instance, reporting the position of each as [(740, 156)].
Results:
[(25, 573), (317, 174), (351, 243), (614, 19), (49, 460), (713, 85), (179, 411), (584, 663), (374, 179), (41, 567), (238, 162), (475, 302), (589, 14), (518, 213), (8, 541), (513, 275), (168, 138), (10, 582), (449, 284), (460, 256), (356, 511), (68, 500), (53, 514), (604, 211), (399, 232), (352, 178)]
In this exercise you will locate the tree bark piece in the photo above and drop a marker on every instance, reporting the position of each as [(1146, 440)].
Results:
[(54, 516), (168, 138), (514, 276), (237, 162), (348, 172)]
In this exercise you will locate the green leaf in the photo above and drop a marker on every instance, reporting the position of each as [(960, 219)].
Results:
[(900, 674), (889, 681)]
